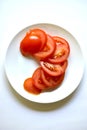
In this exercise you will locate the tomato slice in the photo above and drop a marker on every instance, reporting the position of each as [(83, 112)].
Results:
[(60, 40), (30, 44), (41, 34), (54, 69), (28, 86), (61, 52), (37, 81), (51, 81), (47, 50)]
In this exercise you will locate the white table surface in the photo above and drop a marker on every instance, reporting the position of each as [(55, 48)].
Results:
[(16, 113)]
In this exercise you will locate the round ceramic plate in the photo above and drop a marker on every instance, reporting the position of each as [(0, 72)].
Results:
[(18, 67)]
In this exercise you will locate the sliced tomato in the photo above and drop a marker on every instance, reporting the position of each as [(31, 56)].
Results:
[(61, 52), (30, 44), (37, 81), (51, 81), (28, 86), (60, 40), (47, 50), (54, 69), (41, 34)]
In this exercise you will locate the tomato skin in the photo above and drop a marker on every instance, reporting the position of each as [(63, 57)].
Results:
[(30, 44), (24, 53), (28, 86), (41, 34), (37, 81), (47, 50), (54, 69), (61, 52), (52, 81)]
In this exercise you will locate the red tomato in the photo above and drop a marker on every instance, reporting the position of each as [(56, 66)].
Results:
[(30, 44), (41, 34), (48, 49), (61, 52), (54, 69), (28, 86), (37, 81), (51, 81)]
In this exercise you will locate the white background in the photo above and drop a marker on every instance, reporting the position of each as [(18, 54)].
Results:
[(16, 113)]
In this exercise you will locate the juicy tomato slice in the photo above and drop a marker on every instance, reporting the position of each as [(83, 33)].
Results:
[(54, 69), (41, 34), (28, 86), (47, 50), (61, 40), (37, 81), (30, 44), (52, 81), (61, 52)]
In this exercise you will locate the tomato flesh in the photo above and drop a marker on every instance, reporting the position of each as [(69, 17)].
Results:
[(53, 69), (51, 81), (28, 86), (37, 81), (47, 50), (61, 40), (61, 52)]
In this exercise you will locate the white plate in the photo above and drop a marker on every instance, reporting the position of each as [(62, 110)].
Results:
[(18, 68)]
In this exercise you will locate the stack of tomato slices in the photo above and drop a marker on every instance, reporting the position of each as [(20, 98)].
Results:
[(52, 53)]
